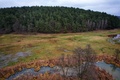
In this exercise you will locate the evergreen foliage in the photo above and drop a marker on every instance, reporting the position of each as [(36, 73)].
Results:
[(54, 20)]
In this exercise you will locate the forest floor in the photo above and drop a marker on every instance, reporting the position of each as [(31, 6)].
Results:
[(50, 46)]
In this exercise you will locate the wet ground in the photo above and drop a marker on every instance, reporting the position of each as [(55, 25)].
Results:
[(111, 69), (5, 59), (115, 39), (32, 72)]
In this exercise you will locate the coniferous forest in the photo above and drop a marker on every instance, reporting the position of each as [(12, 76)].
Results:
[(44, 19)]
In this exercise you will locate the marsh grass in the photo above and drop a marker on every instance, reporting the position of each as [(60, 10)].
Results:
[(44, 46)]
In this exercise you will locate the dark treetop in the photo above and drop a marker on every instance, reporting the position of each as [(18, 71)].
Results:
[(54, 20)]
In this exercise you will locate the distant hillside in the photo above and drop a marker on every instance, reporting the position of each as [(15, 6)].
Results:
[(118, 17), (54, 20)]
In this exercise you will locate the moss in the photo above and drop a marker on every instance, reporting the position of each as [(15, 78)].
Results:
[(44, 46)]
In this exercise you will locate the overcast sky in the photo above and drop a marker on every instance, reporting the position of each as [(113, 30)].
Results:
[(108, 6)]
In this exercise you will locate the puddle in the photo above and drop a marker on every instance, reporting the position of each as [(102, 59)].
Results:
[(5, 59), (111, 69)]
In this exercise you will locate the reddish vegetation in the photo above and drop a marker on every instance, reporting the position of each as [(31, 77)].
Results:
[(101, 74), (109, 59), (112, 35), (6, 72)]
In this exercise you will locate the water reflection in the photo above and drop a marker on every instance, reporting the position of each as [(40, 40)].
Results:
[(111, 69)]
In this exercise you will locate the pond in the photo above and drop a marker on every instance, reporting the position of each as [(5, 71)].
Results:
[(111, 69)]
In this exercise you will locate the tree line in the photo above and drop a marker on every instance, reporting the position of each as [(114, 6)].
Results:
[(46, 19)]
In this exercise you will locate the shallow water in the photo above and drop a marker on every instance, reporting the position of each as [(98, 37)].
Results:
[(32, 72), (111, 69), (5, 59)]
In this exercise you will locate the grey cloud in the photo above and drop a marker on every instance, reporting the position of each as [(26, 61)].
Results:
[(109, 6)]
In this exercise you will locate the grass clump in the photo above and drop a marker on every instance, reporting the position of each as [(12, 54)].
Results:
[(44, 46)]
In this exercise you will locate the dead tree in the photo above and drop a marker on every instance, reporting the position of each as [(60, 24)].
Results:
[(85, 58), (81, 60)]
